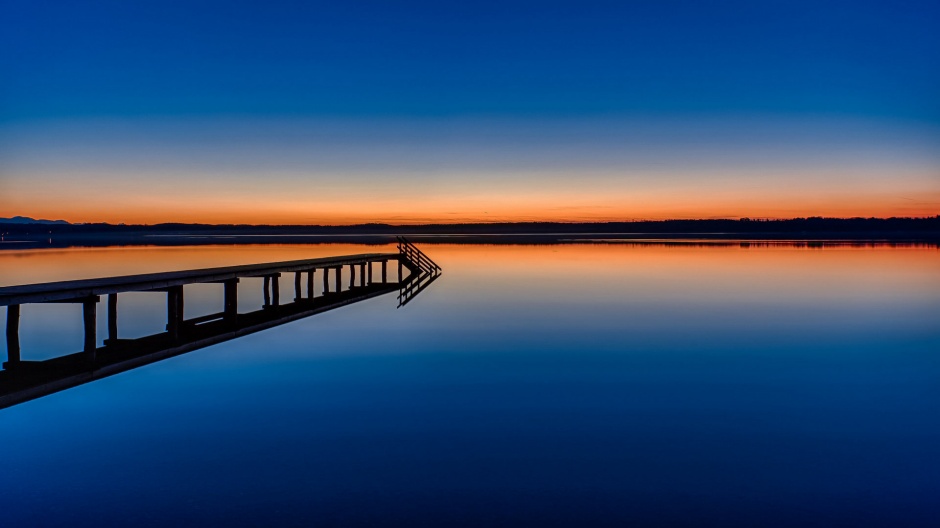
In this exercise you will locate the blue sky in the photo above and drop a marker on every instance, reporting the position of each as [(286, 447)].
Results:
[(393, 80), (876, 59)]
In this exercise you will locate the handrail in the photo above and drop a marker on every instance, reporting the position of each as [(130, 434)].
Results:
[(416, 256)]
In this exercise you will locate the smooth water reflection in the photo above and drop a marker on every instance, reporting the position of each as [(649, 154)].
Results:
[(570, 384)]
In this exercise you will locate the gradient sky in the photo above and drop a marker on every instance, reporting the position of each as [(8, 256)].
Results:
[(302, 112)]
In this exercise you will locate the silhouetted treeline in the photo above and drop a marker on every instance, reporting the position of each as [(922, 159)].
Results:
[(744, 225), (813, 228)]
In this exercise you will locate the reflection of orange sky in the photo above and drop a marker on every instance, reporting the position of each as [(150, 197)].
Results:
[(606, 280), (659, 271), (687, 274)]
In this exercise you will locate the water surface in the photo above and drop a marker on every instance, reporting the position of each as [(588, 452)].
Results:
[(563, 384)]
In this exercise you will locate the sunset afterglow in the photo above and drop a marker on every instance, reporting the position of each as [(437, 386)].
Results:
[(484, 171), (551, 113)]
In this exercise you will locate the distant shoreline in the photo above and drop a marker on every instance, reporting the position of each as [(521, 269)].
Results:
[(66, 243), (812, 231)]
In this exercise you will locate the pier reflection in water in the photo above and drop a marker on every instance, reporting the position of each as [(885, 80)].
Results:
[(25, 380)]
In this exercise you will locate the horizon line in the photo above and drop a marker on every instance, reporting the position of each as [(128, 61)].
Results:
[(61, 222)]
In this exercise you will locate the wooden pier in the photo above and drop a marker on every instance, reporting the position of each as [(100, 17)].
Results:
[(368, 277)]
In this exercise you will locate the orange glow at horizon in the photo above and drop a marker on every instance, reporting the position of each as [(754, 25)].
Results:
[(552, 207), (274, 172)]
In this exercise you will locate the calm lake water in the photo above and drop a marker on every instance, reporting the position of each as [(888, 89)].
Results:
[(550, 385)]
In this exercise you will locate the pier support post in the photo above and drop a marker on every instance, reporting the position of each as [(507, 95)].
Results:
[(112, 317), (13, 335), (384, 271), (230, 310), (297, 291), (89, 315), (310, 284), (339, 279), (399, 271), (326, 281), (352, 276), (174, 311), (370, 272), (272, 292), (362, 274)]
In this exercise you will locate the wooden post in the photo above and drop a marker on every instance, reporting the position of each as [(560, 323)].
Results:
[(310, 284), (179, 307), (174, 311), (362, 274), (399, 271), (339, 279), (297, 292), (384, 271), (275, 290), (13, 335), (370, 272), (267, 292), (326, 281), (352, 275), (89, 313), (112, 317), (230, 310)]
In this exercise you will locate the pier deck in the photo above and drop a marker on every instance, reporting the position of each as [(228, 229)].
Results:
[(24, 380), (77, 290)]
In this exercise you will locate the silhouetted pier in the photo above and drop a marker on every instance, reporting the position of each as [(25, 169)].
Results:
[(368, 276)]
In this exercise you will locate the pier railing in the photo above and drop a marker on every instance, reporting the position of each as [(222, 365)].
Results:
[(415, 255), (23, 380), (426, 272)]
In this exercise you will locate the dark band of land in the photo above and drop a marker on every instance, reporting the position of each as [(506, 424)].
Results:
[(891, 230)]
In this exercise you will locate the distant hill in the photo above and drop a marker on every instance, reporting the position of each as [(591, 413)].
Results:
[(28, 220)]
